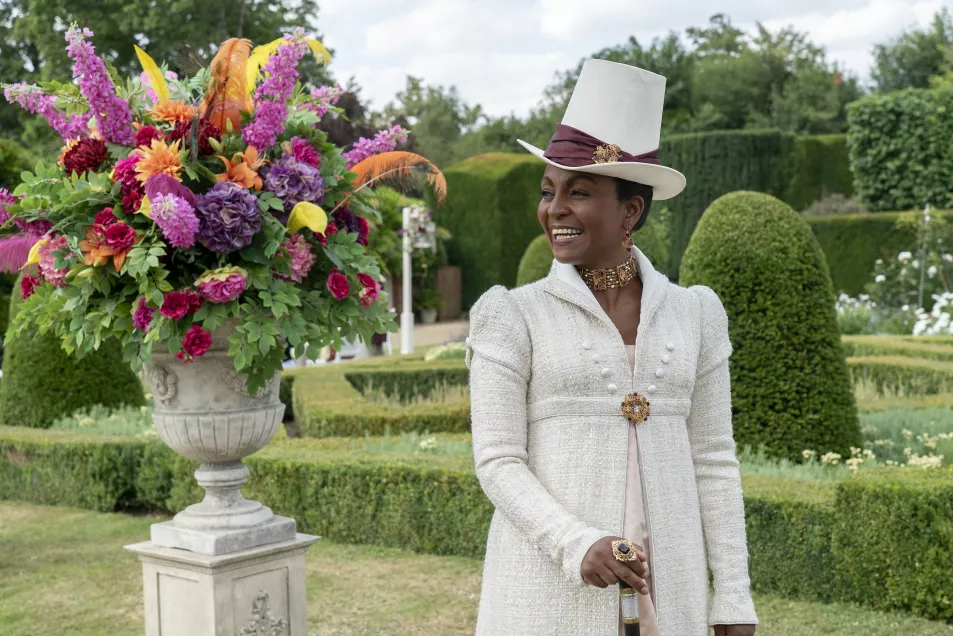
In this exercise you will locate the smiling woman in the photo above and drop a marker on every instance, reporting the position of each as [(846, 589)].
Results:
[(601, 404)]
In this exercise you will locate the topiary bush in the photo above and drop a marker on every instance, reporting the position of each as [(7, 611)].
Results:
[(41, 382), (790, 386), (536, 261)]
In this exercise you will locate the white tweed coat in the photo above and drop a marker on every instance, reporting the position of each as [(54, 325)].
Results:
[(548, 371)]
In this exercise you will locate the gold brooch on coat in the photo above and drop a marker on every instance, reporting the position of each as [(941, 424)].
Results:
[(606, 153), (635, 408)]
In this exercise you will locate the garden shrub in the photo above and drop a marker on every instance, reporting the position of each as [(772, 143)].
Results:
[(822, 169), (41, 382), (893, 375), (328, 404), (940, 348), (790, 385), (881, 538), (14, 159), (852, 243), (491, 212), (536, 261), (893, 538), (900, 150)]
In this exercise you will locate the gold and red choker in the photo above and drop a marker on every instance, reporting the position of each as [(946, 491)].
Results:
[(610, 277)]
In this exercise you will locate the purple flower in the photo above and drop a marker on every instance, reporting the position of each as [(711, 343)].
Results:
[(176, 218), (228, 218), (113, 115), (324, 98), (294, 181), (383, 141), (32, 99), (6, 200), (164, 184), (142, 316), (222, 285), (271, 97)]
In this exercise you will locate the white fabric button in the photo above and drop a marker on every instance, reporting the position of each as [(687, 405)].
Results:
[(595, 357), (670, 346), (612, 388), (606, 373), (666, 358), (468, 341), (587, 345), (651, 388), (659, 372)]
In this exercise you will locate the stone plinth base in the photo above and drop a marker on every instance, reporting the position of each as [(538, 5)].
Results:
[(174, 534), (255, 591)]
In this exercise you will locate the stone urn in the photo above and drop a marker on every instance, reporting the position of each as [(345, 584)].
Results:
[(204, 413)]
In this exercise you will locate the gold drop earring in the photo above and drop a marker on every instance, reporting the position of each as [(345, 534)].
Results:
[(627, 239)]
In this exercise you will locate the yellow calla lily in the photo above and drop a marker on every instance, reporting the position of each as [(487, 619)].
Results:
[(34, 256), (145, 208), (307, 215)]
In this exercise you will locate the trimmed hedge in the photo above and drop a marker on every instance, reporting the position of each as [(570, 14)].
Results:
[(909, 376), (806, 540), (895, 548), (536, 261), (41, 382), (491, 212), (328, 401), (822, 169), (790, 385), (720, 162), (939, 348), (900, 149)]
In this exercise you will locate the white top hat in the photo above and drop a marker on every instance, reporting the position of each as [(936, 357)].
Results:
[(612, 127)]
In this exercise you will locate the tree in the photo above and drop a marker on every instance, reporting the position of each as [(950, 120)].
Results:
[(910, 60)]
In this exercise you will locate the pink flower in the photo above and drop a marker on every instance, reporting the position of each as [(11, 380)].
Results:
[(112, 113), (120, 236), (34, 100), (147, 82), (305, 152), (272, 95), (324, 98), (146, 135), (222, 285), (371, 289), (338, 285), (47, 261), (195, 343), (195, 301), (383, 141), (175, 305), (176, 218), (104, 218), (302, 258), (28, 286), (142, 316), (363, 230)]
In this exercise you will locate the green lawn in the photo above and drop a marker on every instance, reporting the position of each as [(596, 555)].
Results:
[(63, 571)]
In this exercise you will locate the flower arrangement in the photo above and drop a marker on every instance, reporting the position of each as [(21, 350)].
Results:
[(182, 205)]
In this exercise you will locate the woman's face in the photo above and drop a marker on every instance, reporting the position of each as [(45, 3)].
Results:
[(583, 217)]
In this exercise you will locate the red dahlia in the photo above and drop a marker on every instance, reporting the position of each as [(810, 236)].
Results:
[(207, 130), (86, 156), (146, 134)]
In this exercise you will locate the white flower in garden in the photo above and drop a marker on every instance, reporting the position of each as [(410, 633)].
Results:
[(915, 264), (428, 444), (948, 258), (854, 451), (931, 272), (869, 454), (903, 257), (925, 461), (830, 459), (880, 278), (854, 462), (808, 454), (905, 308), (907, 451), (87, 421), (880, 261), (907, 433)]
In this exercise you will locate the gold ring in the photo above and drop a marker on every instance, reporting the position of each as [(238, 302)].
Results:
[(629, 554)]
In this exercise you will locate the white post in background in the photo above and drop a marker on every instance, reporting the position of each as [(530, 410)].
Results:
[(407, 315)]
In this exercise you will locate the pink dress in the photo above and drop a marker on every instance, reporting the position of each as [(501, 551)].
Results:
[(635, 528)]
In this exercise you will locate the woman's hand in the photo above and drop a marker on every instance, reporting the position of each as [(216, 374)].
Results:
[(734, 630), (601, 569)]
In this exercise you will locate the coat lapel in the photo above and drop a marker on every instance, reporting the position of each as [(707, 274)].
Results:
[(565, 282)]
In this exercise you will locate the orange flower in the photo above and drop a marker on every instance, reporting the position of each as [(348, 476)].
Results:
[(159, 158), (173, 111), (69, 146), (98, 253), (243, 169)]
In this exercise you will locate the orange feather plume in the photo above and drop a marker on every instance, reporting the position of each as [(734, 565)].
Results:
[(398, 167), (227, 91)]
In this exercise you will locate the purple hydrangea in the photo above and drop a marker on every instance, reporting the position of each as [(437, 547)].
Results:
[(176, 218), (294, 181), (228, 218), (383, 141), (272, 95), (113, 114), (32, 99)]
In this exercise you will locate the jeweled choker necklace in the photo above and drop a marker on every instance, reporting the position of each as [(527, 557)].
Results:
[(610, 277)]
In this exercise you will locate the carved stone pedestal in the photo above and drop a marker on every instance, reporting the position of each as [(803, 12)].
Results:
[(254, 592)]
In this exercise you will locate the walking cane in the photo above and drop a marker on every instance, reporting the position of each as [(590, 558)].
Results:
[(629, 600)]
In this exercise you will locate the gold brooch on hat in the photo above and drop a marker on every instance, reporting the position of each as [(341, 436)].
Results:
[(606, 153)]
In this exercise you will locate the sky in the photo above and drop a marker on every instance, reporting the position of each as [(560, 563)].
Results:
[(503, 53)]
